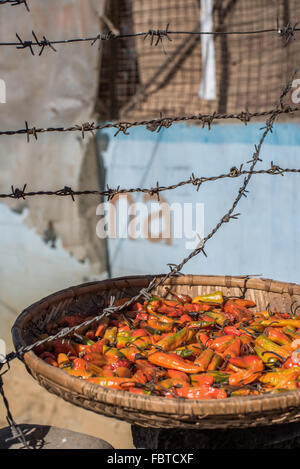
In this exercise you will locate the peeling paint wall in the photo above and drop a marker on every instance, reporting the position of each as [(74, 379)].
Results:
[(52, 90), (49, 243)]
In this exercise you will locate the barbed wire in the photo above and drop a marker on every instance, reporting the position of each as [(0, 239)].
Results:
[(17, 432), (156, 36), (153, 125), (174, 269), (155, 282), (15, 3), (110, 193)]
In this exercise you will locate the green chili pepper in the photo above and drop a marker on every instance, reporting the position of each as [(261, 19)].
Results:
[(173, 341)]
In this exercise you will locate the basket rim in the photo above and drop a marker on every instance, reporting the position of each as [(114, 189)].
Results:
[(200, 408)]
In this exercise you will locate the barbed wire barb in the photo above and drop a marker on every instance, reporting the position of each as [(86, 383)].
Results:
[(14, 3)]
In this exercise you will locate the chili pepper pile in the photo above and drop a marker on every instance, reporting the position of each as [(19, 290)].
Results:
[(209, 347)]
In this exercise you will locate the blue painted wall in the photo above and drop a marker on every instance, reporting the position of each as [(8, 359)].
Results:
[(264, 240)]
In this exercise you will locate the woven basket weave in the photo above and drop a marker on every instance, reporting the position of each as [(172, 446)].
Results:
[(154, 411)]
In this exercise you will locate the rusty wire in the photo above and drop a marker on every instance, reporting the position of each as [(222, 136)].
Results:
[(153, 125), (110, 193), (156, 36)]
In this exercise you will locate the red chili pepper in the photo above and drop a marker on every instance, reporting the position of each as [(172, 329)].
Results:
[(71, 321), (91, 335), (139, 333), (221, 343), (181, 298), (137, 307), (203, 392), (197, 307), (231, 330), (47, 355), (63, 346), (235, 313), (185, 318), (142, 316), (95, 358), (118, 364), (202, 380), (173, 310)]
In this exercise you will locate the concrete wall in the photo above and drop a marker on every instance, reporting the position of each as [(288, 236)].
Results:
[(265, 240), (47, 244)]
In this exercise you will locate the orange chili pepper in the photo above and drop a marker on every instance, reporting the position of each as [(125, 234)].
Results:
[(243, 377), (204, 359), (249, 362), (204, 339), (115, 383), (63, 360), (96, 358), (221, 343), (178, 375), (79, 373), (216, 361), (243, 303), (160, 326), (123, 372), (234, 349), (172, 382), (150, 371), (173, 361), (102, 327), (277, 336), (131, 353)]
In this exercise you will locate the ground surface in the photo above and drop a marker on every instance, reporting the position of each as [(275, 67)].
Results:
[(32, 404)]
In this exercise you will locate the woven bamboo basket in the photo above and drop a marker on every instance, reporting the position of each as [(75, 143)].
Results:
[(154, 411)]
